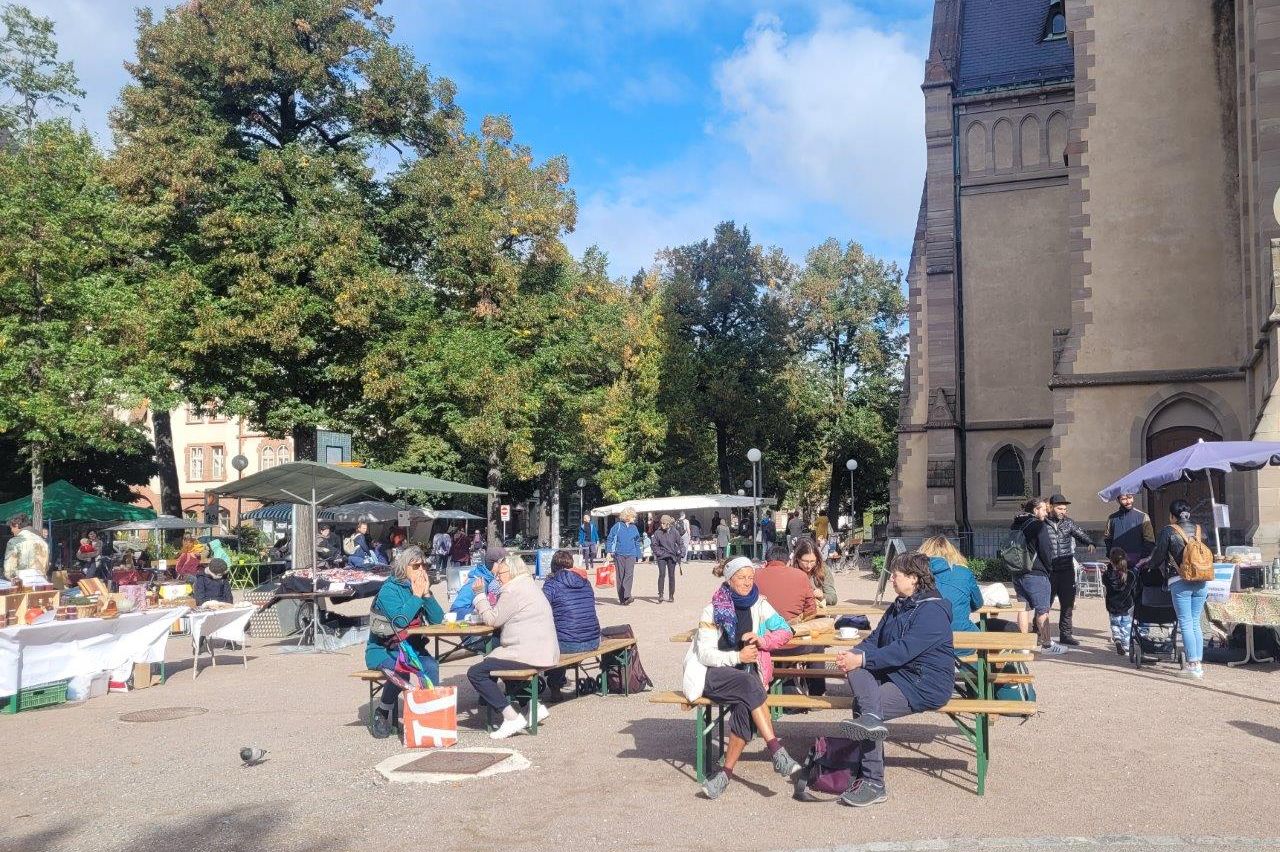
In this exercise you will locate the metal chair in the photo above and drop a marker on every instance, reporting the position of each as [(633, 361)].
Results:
[(1089, 579)]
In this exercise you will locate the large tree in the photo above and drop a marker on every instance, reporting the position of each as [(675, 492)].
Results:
[(249, 137), (31, 77), (849, 312)]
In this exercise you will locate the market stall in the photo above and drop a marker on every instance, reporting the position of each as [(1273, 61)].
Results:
[(67, 507)]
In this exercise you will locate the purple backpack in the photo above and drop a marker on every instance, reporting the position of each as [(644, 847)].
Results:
[(831, 766)]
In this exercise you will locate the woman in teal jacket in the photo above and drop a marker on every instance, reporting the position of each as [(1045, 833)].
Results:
[(955, 582), (404, 601)]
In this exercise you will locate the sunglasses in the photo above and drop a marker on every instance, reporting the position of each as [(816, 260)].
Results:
[(417, 563)]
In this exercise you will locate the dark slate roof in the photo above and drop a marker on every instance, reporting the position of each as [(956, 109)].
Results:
[(1000, 45)]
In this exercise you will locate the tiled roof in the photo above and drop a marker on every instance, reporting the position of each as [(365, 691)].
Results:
[(1000, 45)]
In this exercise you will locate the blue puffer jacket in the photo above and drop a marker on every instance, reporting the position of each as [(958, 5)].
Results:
[(465, 601), (957, 584), (912, 647), (625, 540), (573, 606)]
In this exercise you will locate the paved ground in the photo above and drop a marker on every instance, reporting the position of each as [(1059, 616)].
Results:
[(1117, 758)]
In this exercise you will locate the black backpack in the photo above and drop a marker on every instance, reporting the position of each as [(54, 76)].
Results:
[(614, 669), (1015, 556)]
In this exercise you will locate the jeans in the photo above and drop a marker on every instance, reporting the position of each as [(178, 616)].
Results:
[(556, 677), (667, 571), (486, 685), (626, 566), (588, 556), (1188, 603), (1120, 627), (430, 668), (882, 699)]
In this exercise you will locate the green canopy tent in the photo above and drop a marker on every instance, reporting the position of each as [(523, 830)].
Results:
[(66, 504)]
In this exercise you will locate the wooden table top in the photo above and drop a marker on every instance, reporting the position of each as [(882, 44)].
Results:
[(972, 640), (453, 628)]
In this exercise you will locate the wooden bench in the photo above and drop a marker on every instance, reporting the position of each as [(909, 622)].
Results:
[(977, 731), (621, 647)]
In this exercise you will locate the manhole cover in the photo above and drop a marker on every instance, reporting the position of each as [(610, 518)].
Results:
[(162, 714), (453, 763)]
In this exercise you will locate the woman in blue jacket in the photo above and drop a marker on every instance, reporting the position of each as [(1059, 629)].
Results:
[(905, 665), (573, 607), (954, 580), (625, 545), (404, 601)]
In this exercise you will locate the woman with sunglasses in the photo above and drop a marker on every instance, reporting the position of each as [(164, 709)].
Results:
[(404, 601)]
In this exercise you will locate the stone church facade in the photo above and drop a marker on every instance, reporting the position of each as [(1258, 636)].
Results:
[(1092, 282)]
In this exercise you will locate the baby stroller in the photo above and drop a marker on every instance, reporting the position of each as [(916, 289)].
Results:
[(1153, 637)]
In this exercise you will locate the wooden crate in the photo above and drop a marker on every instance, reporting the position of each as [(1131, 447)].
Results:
[(14, 605)]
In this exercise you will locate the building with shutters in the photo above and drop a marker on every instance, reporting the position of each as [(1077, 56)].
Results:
[(1092, 281)]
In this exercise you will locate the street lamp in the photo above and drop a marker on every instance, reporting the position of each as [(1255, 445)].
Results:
[(754, 456), (239, 462), (851, 465), (582, 505)]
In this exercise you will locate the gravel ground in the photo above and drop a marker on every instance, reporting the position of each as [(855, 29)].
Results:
[(1116, 758)]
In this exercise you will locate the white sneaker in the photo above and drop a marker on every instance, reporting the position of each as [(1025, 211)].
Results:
[(1197, 673), (1053, 649), (543, 713), (508, 728)]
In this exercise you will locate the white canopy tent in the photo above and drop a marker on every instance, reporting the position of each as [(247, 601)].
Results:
[(682, 503)]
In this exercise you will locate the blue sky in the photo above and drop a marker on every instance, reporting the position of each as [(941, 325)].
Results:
[(802, 120)]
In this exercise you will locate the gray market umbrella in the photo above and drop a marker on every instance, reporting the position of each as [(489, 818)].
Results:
[(370, 511), (1184, 464), (162, 522), (329, 485), (452, 515)]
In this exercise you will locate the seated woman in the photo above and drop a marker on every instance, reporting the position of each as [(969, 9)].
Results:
[(573, 608), (188, 563), (905, 665), (211, 584), (404, 601), (729, 662), (808, 558), (528, 639), (360, 552), (958, 585)]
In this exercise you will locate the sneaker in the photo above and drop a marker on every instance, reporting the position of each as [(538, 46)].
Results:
[(381, 725), (1053, 649), (508, 728), (865, 726), (715, 785), (784, 764), (1069, 640), (543, 713), (862, 793), (1198, 673), (1120, 648)]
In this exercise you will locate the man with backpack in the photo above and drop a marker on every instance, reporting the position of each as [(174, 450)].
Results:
[(1064, 533), (1027, 556)]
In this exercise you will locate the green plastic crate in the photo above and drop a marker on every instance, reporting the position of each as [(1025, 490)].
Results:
[(33, 697)]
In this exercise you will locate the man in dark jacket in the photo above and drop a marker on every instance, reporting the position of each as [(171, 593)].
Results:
[(1064, 533), (1130, 530), (1035, 588), (668, 550), (573, 608), (905, 665)]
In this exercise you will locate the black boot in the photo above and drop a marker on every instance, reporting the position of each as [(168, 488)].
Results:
[(1064, 628)]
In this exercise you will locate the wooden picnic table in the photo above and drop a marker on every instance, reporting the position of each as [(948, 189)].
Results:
[(454, 634)]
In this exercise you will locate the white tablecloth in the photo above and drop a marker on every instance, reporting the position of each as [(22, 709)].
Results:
[(228, 625), (41, 653)]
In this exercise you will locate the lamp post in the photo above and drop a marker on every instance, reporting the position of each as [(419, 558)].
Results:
[(851, 465), (239, 462), (754, 456), (582, 505)]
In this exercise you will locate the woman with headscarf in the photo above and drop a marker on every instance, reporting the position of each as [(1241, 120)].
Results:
[(1189, 596), (729, 662)]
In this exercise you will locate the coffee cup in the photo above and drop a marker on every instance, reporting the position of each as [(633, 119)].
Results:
[(450, 617), (847, 633)]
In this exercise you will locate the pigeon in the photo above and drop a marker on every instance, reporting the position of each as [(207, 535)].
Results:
[(253, 756)]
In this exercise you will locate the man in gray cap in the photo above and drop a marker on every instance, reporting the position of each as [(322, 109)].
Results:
[(1064, 533)]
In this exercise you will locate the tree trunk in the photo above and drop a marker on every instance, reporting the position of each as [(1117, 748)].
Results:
[(552, 493), (37, 489), (834, 491), (167, 462), (722, 458), (493, 480)]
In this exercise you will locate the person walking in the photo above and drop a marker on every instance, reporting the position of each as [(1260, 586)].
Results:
[(769, 530), (1034, 587), (686, 537), (625, 545), (27, 550), (1189, 596), (441, 545), (722, 540), (668, 547), (1130, 530), (588, 540), (795, 530), (1064, 535)]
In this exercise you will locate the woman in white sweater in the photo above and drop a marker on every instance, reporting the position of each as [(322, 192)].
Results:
[(729, 662), (528, 639)]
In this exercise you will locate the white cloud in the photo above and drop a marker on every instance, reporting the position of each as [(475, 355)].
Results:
[(820, 134)]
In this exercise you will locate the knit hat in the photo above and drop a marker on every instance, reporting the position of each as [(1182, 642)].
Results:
[(216, 568), (735, 565)]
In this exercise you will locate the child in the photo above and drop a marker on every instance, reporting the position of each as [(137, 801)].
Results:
[(1121, 585)]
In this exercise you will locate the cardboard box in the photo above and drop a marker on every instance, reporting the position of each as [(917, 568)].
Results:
[(143, 676)]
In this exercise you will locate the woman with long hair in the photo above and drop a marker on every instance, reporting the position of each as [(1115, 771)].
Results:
[(1189, 596), (807, 556), (729, 662)]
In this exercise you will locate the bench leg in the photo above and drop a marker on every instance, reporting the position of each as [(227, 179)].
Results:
[(982, 743), (700, 742), (533, 705), (373, 686)]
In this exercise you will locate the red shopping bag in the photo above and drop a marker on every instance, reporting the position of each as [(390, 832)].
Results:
[(604, 574), (431, 717)]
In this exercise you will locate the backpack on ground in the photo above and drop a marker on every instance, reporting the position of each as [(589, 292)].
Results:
[(1197, 559), (615, 670), (830, 767), (349, 545), (1015, 556)]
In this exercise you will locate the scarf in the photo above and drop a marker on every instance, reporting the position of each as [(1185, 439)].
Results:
[(723, 605)]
